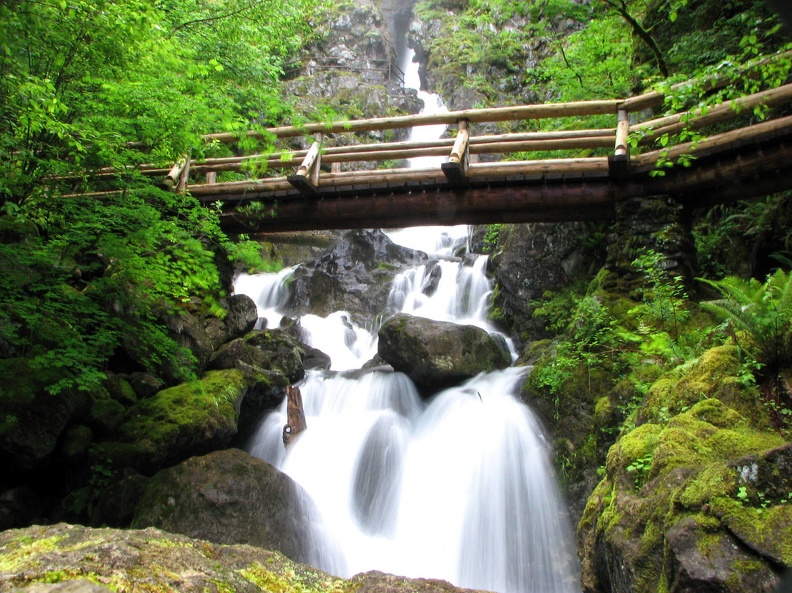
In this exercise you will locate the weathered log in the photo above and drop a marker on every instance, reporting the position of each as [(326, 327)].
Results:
[(295, 415), (707, 146), (495, 114), (619, 161), (456, 168), (306, 180), (184, 177), (174, 175)]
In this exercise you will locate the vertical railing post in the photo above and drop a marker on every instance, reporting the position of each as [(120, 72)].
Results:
[(619, 161), (306, 180), (456, 168)]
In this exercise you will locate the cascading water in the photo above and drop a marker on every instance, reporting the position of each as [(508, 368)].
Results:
[(458, 488)]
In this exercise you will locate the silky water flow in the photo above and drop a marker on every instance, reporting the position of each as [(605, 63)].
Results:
[(457, 488)]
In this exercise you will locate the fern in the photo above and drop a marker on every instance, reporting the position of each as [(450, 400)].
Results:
[(763, 311)]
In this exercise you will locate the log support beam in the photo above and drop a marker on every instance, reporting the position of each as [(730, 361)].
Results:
[(456, 168), (306, 180)]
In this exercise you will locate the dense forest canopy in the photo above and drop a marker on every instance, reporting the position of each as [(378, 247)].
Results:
[(90, 86)]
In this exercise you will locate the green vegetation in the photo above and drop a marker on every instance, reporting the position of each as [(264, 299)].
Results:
[(92, 254)]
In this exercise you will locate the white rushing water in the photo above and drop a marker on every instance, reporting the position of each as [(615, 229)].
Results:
[(457, 488)]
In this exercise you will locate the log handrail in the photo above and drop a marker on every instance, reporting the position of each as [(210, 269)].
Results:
[(634, 145)]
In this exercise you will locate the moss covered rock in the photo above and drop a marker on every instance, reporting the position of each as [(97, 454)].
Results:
[(189, 419), (154, 561), (266, 350), (687, 503)]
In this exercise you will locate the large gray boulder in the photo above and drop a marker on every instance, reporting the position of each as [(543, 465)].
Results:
[(438, 354), (228, 497)]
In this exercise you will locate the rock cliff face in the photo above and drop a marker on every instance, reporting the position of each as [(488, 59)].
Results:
[(351, 69)]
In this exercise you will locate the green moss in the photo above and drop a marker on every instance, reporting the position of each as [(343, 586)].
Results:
[(715, 480), (769, 529), (160, 418), (295, 579), (22, 549), (635, 445)]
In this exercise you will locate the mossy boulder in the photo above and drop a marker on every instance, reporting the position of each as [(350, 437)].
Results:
[(229, 497), (268, 350), (193, 418), (437, 354), (154, 561), (688, 500)]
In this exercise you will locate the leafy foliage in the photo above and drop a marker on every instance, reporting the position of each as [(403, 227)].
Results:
[(762, 311), (89, 89)]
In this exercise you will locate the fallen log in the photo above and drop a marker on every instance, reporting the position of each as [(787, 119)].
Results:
[(295, 415)]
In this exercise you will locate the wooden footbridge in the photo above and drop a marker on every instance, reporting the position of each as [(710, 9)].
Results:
[(699, 156)]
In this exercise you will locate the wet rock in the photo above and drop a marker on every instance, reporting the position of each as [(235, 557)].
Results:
[(532, 259), (355, 275), (32, 420), (74, 444), (188, 331), (713, 567), (120, 389), (145, 384), (436, 354), (19, 506), (115, 506), (228, 497), (270, 350), (242, 315)]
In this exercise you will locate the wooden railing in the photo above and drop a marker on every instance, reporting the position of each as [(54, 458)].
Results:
[(634, 145), (460, 168)]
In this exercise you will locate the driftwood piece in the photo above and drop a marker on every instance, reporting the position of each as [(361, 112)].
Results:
[(295, 415)]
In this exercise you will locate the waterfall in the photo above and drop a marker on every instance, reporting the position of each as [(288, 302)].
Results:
[(459, 487)]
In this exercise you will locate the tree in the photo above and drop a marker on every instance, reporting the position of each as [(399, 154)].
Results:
[(96, 85)]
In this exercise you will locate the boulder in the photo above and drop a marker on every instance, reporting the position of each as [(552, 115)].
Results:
[(351, 276), (228, 497), (437, 354), (695, 496), (32, 420), (270, 350), (189, 419), (116, 504), (242, 315), (189, 332), (138, 560)]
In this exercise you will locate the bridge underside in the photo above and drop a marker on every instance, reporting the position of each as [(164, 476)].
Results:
[(747, 172)]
